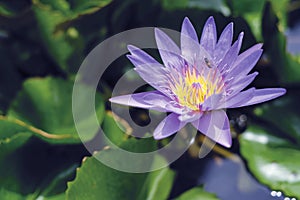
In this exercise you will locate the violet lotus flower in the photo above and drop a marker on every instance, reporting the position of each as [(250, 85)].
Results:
[(198, 81)]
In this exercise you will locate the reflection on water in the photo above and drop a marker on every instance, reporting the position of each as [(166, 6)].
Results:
[(293, 39), (230, 180)]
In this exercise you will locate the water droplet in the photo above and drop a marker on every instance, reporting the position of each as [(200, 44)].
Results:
[(273, 193), (279, 194)]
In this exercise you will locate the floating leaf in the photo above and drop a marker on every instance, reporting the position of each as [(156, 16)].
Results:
[(158, 183), (112, 131), (64, 46), (45, 106), (40, 168), (8, 195), (13, 7), (285, 64), (273, 160), (272, 113), (195, 194), (216, 5), (12, 136), (251, 11), (94, 179), (54, 197)]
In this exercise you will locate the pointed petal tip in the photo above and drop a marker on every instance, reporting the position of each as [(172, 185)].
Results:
[(230, 27), (227, 143), (131, 48), (241, 35), (157, 31), (255, 73), (211, 18), (129, 56), (231, 24), (158, 137), (224, 140), (282, 91), (259, 45), (114, 100), (186, 19)]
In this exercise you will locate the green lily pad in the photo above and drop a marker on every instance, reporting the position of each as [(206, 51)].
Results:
[(251, 11), (8, 195), (274, 161), (13, 8), (45, 106), (12, 136), (195, 194), (216, 5), (112, 131), (285, 65), (289, 120), (64, 46), (94, 179)]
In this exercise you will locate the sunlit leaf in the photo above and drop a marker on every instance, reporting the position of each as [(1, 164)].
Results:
[(216, 5), (195, 194), (12, 136), (64, 46), (158, 183), (8, 195), (111, 129), (94, 179), (46, 105), (272, 112), (285, 64), (251, 11), (40, 167), (273, 160), (13, 7)]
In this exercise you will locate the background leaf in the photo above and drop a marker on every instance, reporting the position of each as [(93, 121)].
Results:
[(12, 137), (46, 103), (195, 194), (94, 179), (273, 160)]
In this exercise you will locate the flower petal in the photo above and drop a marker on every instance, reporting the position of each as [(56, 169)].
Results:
[(189, 43), (249, 51), (235, 100), (209, 35), (152, 73), (142, 55), (149, 100), (215, 125), (262, 95), (231, 55), (212, 102), (170, 125), (246, 65), (190, 116), (167, 48), (239, 84), (224, 43)]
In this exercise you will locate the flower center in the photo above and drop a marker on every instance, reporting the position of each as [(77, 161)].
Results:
[(191, 88)]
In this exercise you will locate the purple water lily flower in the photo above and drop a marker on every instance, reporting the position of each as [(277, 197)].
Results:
[(198, 81)]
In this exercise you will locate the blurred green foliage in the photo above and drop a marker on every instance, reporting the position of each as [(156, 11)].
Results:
[(43, 43)]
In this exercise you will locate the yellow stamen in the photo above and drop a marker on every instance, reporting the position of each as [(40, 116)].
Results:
[(193, 88)]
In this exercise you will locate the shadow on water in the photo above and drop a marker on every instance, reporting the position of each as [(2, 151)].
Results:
[(293, 39), (236, 183)]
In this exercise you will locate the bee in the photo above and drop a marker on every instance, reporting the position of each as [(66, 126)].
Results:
[(207, 62)]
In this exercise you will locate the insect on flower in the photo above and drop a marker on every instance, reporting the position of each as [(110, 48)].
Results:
[(208, 64), (198, 81)]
